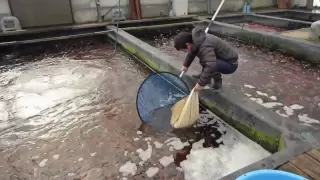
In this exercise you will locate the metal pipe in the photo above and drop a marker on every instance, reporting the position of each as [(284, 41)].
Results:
[(138, 8), (98, 10), (102, 17), (214, 16), (209, 7)]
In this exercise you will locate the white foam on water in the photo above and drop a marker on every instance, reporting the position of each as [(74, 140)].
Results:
[(306, 124), (271, 104), (257, 100), (55, 156), (304, 118), (288, 110), (176, 143), (296, 107), (166, 160), (145, 154), (152, 171), (211, 164), (157, 144), (273, 98), (135, 139), (248, 95), (71, 174), (80, 159), (43, 163), (139, 132), (126, 153), (93, 154), (147, 139), (262, 94), (4, 115), (283, 115), (179, 169), (249, 86), (128, 168)]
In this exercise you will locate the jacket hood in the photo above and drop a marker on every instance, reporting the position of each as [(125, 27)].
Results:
[(198, 36)]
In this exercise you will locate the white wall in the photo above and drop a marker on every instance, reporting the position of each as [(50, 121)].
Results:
[(200, 6), (236, 5), (300, 3), (85, 10), (4, 8)]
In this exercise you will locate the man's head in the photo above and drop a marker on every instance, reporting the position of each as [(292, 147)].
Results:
[(183, 42)]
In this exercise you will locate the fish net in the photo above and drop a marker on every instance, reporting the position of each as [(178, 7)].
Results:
[(186, 111), (157, 95)]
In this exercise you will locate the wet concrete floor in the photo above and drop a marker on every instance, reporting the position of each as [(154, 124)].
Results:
[(277, 81), (67, 111)]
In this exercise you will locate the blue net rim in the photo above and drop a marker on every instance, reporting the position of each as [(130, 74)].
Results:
[(155, 73)]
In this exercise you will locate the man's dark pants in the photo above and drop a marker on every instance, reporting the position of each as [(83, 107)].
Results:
[(222, 67)]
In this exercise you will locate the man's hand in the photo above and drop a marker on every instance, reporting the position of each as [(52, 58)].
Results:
[(198, 87), (184, 69)]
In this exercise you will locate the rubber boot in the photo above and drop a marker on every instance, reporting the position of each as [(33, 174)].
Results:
[(197, 76), (217, 81)]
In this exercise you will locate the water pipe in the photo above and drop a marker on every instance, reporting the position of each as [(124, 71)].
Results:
[(215, 14), (170, 12), (98, 10)]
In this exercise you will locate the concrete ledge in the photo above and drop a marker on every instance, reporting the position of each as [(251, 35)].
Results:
[(302, 49), (258, 123), (162, 26)]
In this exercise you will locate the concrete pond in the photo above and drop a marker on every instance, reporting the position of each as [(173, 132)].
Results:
[(68, 111)]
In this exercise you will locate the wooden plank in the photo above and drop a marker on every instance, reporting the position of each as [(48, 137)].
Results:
[(307, 164), (314, 154), (289, 167)]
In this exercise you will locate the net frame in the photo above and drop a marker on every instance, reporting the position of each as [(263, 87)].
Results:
[(171, 83)]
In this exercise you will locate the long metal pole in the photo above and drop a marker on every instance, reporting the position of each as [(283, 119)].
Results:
[(215, 14)]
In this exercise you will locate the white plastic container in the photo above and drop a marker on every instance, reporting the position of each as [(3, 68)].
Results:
[(10, 23), (180, 7)]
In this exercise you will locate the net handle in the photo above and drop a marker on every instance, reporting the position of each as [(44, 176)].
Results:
[(182, 73)]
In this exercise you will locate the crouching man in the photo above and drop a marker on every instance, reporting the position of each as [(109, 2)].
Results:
[(216, 56)]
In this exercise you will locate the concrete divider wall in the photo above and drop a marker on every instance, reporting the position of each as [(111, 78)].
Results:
[(301, 49), (256, 122), (279, 22), (265, 20)]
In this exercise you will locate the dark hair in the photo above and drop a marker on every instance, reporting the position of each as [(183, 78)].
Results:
[(180, 40)]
